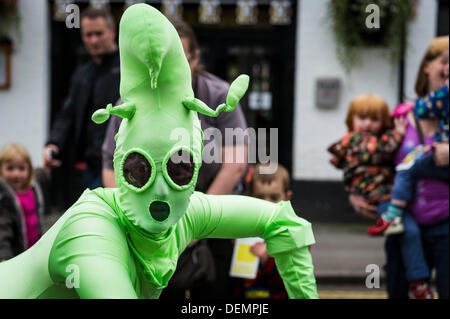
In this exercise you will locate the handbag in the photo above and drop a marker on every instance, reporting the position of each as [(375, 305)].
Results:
[(195, 268)]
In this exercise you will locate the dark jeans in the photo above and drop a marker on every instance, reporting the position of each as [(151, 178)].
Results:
[(405, 179), (411, 248), (435, 240)]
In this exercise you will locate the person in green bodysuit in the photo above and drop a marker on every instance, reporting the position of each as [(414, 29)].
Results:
[(124, 242)]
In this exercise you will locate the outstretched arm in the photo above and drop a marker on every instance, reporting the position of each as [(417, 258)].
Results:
[(90, 254), (287, 235)]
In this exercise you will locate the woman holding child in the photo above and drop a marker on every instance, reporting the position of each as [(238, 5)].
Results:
[(430, 207)]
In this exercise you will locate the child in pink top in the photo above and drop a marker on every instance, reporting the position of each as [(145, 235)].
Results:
[(19, 204), (28, 203)]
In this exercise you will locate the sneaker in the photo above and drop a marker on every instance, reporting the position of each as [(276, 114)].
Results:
[(383, 227), (420, 290)]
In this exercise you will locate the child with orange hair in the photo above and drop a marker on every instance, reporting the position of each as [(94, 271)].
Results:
[(366, 152)]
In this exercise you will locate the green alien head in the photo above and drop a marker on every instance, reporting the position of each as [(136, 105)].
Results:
[(159, 143)]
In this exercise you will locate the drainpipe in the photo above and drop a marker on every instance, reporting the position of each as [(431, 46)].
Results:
[(401, 77)]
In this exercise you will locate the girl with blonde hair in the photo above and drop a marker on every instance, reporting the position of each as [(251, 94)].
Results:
[(21, 202)]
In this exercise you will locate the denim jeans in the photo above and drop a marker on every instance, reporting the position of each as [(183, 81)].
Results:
[(410, 247), (405, 179), (435, 241), (436, 244)]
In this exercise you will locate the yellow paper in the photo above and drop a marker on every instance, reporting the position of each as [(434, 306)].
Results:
[(244, 254), (244, 263)]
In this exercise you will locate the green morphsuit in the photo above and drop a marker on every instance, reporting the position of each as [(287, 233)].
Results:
[(124, 242)]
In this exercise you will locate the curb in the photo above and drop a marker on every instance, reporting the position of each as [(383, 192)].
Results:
[(336, 280)]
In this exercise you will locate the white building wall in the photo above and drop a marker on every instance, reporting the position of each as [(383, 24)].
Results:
[(315, 129), (24, 107)]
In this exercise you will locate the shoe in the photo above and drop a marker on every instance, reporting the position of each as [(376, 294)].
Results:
[(420, 290), (383, 227)]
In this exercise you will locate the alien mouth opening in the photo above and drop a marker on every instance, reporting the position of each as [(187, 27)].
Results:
[(159, 210)]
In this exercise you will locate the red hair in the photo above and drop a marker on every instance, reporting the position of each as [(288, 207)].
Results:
[(369, 105)]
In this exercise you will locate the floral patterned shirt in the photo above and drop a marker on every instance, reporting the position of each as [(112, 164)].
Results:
[(368, 163)]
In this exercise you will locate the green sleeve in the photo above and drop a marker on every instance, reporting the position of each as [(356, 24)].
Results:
[(91, 253), (287, 235), (297, 270)]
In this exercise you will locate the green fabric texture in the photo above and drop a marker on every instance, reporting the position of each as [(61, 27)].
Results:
[(125, 242)]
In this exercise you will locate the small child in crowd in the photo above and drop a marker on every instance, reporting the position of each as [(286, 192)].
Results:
[(419, 163), (366, 154), (21, 202), (268, 283)]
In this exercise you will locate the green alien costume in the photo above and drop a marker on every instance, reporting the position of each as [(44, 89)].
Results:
[(124, 242)]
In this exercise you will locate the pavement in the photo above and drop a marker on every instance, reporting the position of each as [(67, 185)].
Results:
[(344, 257), (345, 250)]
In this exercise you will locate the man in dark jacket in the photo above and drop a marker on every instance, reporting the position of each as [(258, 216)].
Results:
[(74, 138)]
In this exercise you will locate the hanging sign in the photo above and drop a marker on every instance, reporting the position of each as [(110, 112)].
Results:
[(59, 9), (246, 12), (280, 12), (209, 12), (99, 4), (172, 9)]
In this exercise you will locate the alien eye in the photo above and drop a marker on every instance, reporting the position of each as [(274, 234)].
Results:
[(136, 170), (180, 167)]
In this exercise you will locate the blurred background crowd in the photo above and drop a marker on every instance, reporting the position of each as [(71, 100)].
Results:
[(309, 63)]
